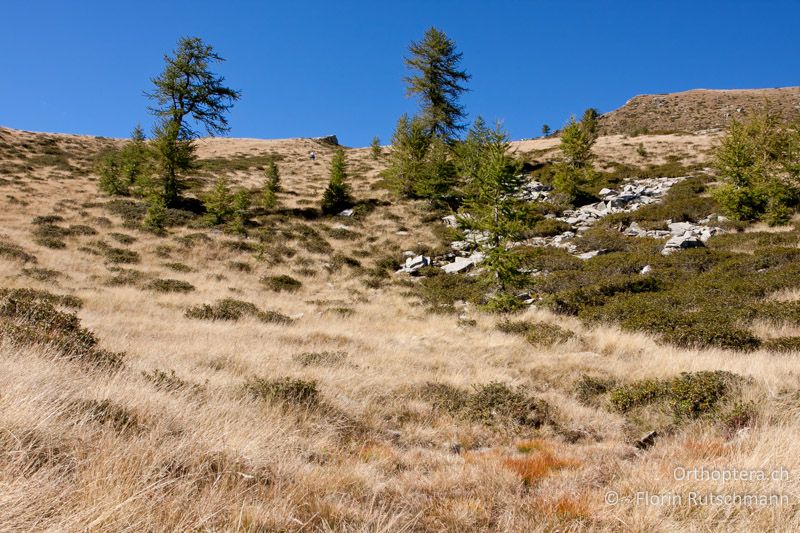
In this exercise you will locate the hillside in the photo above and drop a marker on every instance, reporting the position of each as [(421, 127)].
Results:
[(291, 379), (697, 110)]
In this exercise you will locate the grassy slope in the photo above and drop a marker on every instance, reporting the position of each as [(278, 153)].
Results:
[(376, 451)]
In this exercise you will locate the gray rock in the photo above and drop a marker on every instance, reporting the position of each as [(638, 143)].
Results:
[(679, 228), (415, 263), (647, 441), (462, 264), (589, 255), (345, 213), (680, 243), (634, 230), (327, 139), (450, 220)]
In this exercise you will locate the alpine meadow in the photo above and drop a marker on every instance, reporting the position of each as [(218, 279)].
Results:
[(596, 328)]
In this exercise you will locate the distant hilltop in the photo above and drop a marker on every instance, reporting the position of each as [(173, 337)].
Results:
[(697, 110)]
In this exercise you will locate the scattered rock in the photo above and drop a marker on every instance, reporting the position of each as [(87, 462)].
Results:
[(646, 270), (450, 220), (462, 264), (346, 213), (415, 263), (679, 228), (589, 255), (327, 139), (687, 240), (647, 441)]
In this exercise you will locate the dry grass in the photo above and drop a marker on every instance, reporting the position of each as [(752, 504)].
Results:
[(173, 441)]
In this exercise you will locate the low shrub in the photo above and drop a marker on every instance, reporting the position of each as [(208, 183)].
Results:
[(550, 227), (30, 318), (50, 236), (122, 238), (338, 261), (286, 390), (119, 255), (169, 285), (588, 388), (231, 309), (782, 344), (125, 276), (169, 381), (42, 274), (694, 394), (106, 413), (9, 250), (324, 358), (38, 295), (498, 403), (689, 396), (636, 394), (442, 396), (545, 259), (47, 220), (281, 283), (440, 293), (81, 229), (240, 266), (178, 267), (539, 334)]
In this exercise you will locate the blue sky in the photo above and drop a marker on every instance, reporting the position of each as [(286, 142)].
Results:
[(336, 67)]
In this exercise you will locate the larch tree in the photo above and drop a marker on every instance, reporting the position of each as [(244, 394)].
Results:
[(438, 81), (337, 195), (493, 182), (186, 96)]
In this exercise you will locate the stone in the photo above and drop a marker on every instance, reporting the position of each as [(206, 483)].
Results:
[(327, 139), (415, 263), (646, 270), (634, 230), (450, 220), (588, 255), (462, 264), (647, 441), (681, 243), (679, 228), (345, 213)]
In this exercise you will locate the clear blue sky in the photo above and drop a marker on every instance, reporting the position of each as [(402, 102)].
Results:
[(336, 67)]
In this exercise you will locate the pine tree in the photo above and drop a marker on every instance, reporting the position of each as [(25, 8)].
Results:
[(120, 170), (184, 94), (408, 160), (438, 177), (156, 215), (375, 148), (493, 181), (438, 82), (575, 170), (110, 175), (759, 164), (272, 180), (337, 197), (545, 129), (219, 203), (241, 206)]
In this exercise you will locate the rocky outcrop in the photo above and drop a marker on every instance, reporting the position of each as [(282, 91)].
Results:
[(330, 140), (696, 110)]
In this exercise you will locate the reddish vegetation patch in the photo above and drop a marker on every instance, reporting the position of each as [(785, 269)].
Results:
[(534, 467)]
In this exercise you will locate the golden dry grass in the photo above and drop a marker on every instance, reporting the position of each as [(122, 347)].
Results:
[(83, 449)]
